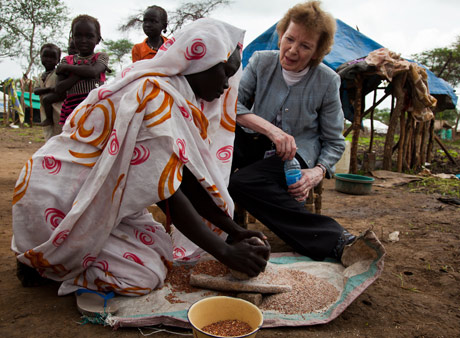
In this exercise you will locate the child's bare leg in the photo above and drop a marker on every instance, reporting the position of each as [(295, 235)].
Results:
[(47, 102)]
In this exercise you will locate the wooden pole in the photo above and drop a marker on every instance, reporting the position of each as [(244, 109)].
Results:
[(372, 121), (430, 142), (5, 107), (424, 143), (417, 144), (356, 125), (444, 148), (398, 92), (402, 136), (409, 141), (31, 110)]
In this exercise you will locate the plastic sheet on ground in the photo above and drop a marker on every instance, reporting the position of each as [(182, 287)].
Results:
[(364, 261)]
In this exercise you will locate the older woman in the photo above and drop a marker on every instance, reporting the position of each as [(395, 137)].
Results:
[(159, 134), (291, 100)]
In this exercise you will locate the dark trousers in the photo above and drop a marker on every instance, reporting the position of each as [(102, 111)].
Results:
[(260, 187)]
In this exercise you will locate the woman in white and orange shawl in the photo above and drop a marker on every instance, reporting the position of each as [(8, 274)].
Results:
[(161, 133)]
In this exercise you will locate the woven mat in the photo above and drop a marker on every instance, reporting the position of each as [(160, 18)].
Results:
[(167, 307)]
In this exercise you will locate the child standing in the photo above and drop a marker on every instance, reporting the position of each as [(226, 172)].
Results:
[(155, 21), (87, 69), (50, 101)]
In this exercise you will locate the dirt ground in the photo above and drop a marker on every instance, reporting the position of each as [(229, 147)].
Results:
[(418, 294)]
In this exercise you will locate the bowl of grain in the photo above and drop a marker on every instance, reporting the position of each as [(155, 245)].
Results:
[(222, 316)]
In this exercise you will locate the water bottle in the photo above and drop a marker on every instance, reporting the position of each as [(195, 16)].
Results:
[(292, 171)]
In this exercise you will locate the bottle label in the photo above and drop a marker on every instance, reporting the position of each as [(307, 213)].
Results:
[(269, 153), (293, 176)]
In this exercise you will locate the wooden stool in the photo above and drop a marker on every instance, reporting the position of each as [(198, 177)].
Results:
[(313, 204)]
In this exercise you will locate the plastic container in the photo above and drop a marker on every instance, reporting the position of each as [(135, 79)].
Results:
[(292, 171), (343, 165), (353, 184), (214, 309)]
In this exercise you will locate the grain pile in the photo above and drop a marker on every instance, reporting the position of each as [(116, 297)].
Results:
[(228, 328), (309, 294), (210, 267)]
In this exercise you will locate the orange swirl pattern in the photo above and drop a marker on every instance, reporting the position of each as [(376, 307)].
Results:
[(120, 178), (214, 192), (145, 96), (107, 110), (200, 120), (84, 282), (21, 186), (226, 121), (38, 262), (167, 176)]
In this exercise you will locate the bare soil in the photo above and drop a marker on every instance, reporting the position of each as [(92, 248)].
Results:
[(418, 294)]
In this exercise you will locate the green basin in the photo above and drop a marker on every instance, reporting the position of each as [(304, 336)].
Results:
[(353, 184)]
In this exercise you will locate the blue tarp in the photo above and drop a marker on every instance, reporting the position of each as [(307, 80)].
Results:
[(349, 44)]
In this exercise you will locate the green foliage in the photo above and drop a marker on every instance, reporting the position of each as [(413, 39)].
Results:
[(383, 115), (25, 25), (450, 115), (443, 62), (119, 51)]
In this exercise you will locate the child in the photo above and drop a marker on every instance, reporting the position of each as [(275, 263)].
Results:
[(155, 20), (85, 69), (50, 101)]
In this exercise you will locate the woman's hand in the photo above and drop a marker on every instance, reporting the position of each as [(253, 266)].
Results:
[(246, 256), (284, 143), (310, 179), (253, 237)]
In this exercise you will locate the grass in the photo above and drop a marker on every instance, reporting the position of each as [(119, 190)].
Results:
[(442, 186)]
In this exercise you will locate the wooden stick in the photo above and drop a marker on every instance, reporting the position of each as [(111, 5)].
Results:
[(398, 90), (356, 125), (444, 148), (424, 143), (429, 149), (372, 122), (402, 136), (31, 108), (417, 144), (345, 134)]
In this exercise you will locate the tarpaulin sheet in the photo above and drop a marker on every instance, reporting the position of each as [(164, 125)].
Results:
[(364, 264)]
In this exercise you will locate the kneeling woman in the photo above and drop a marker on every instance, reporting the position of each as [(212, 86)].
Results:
[(161, 133)]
